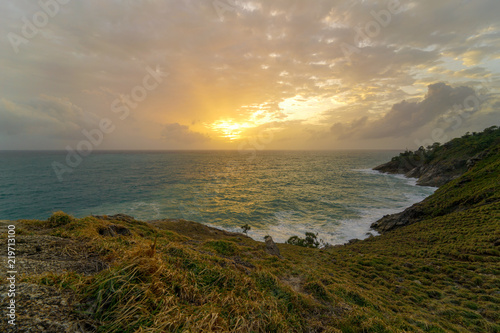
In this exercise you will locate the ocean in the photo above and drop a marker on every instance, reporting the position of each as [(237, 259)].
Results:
[(278, 193)]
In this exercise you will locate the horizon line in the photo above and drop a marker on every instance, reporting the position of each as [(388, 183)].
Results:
[(200, 150)]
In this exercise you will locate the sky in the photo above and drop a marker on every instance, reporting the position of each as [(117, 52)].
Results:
[(239, 74)]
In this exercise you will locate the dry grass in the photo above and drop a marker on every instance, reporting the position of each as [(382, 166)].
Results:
[(160, 281), (437, 275)]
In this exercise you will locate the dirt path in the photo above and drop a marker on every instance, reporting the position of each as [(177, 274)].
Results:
[(41, 308)]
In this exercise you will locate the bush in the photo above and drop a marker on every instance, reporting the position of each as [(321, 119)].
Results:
[(59, 218), (245, 228), (311, 240)]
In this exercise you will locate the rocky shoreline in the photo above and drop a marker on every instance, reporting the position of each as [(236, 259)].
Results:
[(431, 174), (434, 175), (435, 166)]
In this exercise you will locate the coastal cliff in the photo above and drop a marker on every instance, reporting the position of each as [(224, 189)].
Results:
[(466, 169), (439, 164)]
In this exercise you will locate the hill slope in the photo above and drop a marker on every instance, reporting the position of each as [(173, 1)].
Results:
[(437, 275), (438, 164), (476, 187)]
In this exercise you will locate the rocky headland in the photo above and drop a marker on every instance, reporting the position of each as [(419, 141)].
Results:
[(438, 165)]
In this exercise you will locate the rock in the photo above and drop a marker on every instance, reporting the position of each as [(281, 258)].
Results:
[(120, 230), (114, 230), (430, 174), (352, 241), (395, 167), (438, 174), (271, 247), (196, 231), (409, 216), (107, 232), (476, 158), (417, 282), (414, 173)]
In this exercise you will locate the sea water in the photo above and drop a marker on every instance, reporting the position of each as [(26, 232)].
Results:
[(277, 193)]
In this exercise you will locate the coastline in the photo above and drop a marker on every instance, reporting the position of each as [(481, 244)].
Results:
[(116, 274), (346, 229)]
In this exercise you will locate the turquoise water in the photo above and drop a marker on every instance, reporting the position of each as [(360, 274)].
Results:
[(280, 193)]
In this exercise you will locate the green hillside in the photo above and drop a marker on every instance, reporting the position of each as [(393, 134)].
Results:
[(480, 186), (439, 163), (439, 274)]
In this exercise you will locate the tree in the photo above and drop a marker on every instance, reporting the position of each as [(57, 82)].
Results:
[(311, 240), (245, 228)]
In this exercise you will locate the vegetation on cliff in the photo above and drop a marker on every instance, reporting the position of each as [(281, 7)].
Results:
[(439, 163), (476, 187)]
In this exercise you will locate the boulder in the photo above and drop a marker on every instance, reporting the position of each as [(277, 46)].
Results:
[(477, 158), (271, 247), (409, 216), (114, 230)]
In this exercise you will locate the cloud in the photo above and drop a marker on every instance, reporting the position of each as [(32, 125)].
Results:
[(406, 117), (344, 131), (177, 133), (49, 116)]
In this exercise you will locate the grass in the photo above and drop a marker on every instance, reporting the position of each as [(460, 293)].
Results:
[(437, 275), (428, 277)]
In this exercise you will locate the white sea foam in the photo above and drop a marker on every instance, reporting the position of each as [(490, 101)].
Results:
[(291, 223), (360, 228)]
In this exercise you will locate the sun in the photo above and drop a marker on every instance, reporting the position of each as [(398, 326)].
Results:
[(229, 129), (251, 117)]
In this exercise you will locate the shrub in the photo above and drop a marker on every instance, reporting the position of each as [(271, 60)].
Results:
[(311, 240), (245, 228), (59, 218)]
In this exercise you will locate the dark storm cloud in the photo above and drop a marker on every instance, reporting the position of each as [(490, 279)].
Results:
[(407, 117)]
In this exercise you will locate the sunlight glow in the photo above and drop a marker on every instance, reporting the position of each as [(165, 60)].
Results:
[(305, 110), (252, 116), (308, 110), (229, 128)]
